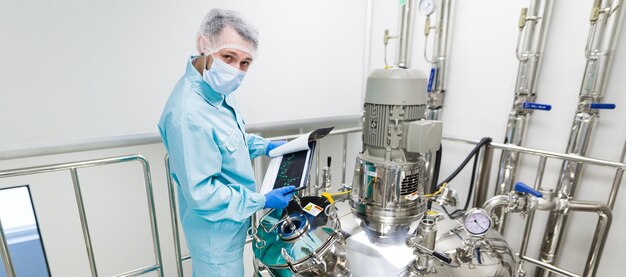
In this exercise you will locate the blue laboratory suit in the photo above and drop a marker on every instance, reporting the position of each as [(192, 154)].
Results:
[(210, 157)]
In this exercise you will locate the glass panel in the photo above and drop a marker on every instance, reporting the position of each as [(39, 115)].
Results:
[(22, 232)]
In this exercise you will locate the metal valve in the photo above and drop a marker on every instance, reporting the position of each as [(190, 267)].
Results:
[(602, 106), (523, 188)]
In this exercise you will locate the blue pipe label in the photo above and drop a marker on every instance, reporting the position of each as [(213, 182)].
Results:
[(535, 106), (431, 79)]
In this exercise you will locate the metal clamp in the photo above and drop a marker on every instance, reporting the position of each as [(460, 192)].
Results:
[(288, 259), (259, 243)]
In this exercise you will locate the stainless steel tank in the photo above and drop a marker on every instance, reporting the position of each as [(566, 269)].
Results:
[(393, 259), (304, 239)]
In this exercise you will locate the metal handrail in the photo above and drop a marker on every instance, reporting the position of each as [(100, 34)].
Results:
[(602, 209), (482, 181), (72, 167), (538, 152), (172, 188), (33, 150)]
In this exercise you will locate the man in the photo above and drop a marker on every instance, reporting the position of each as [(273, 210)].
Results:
[(210, 152)]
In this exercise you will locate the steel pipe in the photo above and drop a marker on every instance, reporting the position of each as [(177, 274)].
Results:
[(72, 167), (437, 86), (481, 187), (83, 222), (548, 266), (533, 28), (605, 217), (538, 152), (617, 180), (541, 168), (404, 39), (139, 271), (605, 23), (171, 192), (495, 202), (439, 60), (152, 213)]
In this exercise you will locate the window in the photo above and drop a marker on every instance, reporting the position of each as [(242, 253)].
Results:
[(19, 223)]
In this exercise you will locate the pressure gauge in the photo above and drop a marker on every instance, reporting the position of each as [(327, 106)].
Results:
[(477, 222), (427, 7)]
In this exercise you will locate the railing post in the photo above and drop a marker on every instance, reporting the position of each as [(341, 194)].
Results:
[(172, 197), (482, 179), (83, 221), (152, 212), (6, 256)]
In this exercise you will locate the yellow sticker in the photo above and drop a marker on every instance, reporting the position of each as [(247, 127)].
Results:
[(313, 209)]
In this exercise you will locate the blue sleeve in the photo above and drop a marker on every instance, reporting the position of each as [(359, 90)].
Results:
[(256, 145), (196, 161)]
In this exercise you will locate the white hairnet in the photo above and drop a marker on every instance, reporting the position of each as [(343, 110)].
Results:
[(226, 29)]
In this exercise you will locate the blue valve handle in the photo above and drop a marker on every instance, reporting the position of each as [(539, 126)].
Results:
[(602, 106), (431, 78), (523, 188), (537, 106)]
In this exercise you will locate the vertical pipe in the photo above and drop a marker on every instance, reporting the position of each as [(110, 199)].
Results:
[(605, 218), (541, 168), (152, 212), (345, 158), (440, 56), (617, 180), (83, 221), (4, 252), (533, 27), (484, 172), (173, 211), (605, 22), (367, 53), (439, 71), (404, 39)]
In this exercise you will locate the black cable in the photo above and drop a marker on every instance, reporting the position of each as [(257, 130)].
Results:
[(483, 142), (436, 169), (472, 154), (460, 212)]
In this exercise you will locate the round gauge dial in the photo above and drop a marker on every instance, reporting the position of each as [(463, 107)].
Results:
[(477, 221), (427, 7)]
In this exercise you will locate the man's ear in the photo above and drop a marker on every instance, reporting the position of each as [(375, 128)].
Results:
[(201, 43)]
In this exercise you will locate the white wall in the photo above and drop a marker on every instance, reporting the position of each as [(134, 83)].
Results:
[(85, 69), (481, 77), (90, 88)]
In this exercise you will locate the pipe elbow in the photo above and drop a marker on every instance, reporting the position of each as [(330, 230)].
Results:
[(495, 202)]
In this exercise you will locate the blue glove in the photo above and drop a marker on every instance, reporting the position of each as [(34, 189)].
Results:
[(279, 198), (272, 145)]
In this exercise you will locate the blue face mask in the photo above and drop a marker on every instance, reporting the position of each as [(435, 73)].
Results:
[(222, 77)]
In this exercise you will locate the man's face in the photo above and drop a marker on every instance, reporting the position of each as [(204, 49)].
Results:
[(235, 58)]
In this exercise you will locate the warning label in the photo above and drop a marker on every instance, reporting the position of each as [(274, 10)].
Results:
[(313, 209)]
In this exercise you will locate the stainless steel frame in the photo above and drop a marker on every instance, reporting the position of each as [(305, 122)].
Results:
[(73, 169), (482, 184), (602, 209)]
